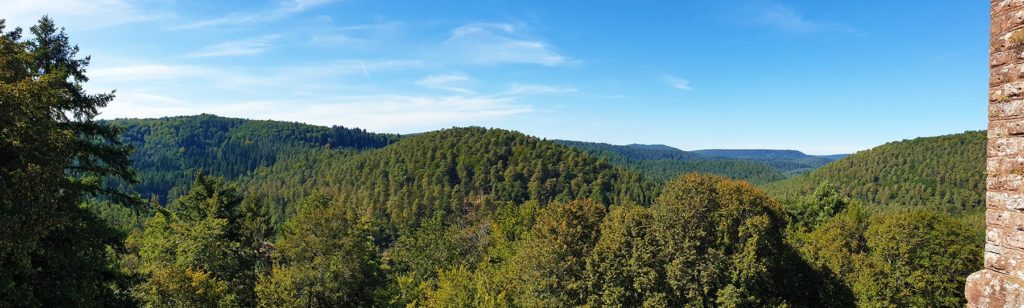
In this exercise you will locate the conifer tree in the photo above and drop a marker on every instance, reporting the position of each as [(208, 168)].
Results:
[(52, 154)]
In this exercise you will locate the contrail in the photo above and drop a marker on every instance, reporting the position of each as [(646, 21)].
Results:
[(365, 73)]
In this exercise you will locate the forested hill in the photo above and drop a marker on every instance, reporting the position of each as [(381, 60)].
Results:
[(168, 150), (438, 174), (789, 162), (945, 170), (663, 162)]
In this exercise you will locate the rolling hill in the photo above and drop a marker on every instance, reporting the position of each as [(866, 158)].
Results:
[(946, 171), (789, 162), (168, 150), (664, 163)]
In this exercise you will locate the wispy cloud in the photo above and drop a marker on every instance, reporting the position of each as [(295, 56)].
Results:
[(788, 19), (283, 9), (537, 89), (678, 83), (455, 82), (148, 72), (497, 43), (356, 36), (391, 113), (77, 13), (235, 48)]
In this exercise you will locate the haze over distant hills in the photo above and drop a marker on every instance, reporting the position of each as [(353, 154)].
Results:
[(789, 162), (665, 162)]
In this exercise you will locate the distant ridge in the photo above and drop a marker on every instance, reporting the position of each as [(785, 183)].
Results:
[(789, 162), (659, 147)]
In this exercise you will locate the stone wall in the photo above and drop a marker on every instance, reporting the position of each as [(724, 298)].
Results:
[(1001, 283)]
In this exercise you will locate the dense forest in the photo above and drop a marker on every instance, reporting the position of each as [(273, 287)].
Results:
[(169, 150), (664, 163), (789, 162), (207, 211), (946, 171)]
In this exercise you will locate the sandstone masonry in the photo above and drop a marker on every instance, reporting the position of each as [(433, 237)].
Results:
[(1001, 283)]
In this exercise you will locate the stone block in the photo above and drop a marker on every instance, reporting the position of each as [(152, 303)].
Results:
[(988, 288), (1004, 165), (1005, 146), (995, 200)]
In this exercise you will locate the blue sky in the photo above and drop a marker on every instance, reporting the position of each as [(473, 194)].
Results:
[(817, 76)]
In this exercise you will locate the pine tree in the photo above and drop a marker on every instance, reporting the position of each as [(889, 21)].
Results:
[(52, 154)]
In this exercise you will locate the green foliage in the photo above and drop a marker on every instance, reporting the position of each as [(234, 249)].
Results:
[(195, 252), (463, 217), (325, 258), (815, 209), (625, 268), (722, 242), (946, 171), (917, 258), (461, 175), (54, 252), (789, 162), (552, 261), (896, 258), (169, 150), (665, 163)]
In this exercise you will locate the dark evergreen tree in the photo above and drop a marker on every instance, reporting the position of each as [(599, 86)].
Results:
[(52, 155)]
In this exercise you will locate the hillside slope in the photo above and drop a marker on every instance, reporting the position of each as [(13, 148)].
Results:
[(665, 163), (168, 150), (449, 173), (789, 162), (946, 171)]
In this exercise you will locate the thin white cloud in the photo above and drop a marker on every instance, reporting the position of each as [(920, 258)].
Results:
[(283, 9), (498, 43), (314, 77), (537, 89), (391, 113), (787, 18), (235, 48), (455, 82), (148, 72), (79, 14), (678, 83), (356, 36)]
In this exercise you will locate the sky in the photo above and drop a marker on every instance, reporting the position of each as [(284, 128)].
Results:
[(822, 77)]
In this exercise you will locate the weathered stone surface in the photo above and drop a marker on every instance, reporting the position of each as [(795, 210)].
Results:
[(1005, 74), (1001, 283), (1006, 183), (988, 288), (1005, 146), (1005, 108), (1011, 90), (1001, 201), (1003, 218), (996, 166), (1002, 58), (1006, 128)]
